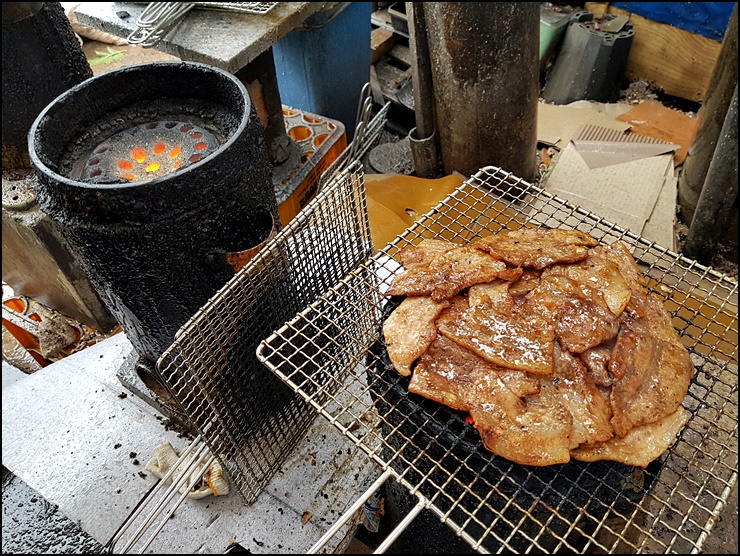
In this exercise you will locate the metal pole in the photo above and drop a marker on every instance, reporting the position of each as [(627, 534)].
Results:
[(422, 138), (711, 117), (485, 69), (719, 194), (260, 79)]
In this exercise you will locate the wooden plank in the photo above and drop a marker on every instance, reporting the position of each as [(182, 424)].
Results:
[(401, 53), (597, 8), (395, 84), (382, 19), (381, 41), (678, 61)]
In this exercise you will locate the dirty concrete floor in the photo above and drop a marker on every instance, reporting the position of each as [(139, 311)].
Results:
[(32, 525)]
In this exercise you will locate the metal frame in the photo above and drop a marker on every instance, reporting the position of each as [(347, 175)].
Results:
[(158, 18), (495, 505), (248, 418)]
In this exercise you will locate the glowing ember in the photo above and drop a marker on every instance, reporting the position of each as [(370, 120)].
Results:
[(148, 151), (138, 154)]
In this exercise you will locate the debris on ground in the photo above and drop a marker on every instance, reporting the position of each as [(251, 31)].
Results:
[(640, 90), (212, 479), (35, 335)]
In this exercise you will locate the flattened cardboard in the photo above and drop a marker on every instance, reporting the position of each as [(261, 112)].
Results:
[(624, 194), (652, 119), (600, 146), (556, 124), (661, 225)]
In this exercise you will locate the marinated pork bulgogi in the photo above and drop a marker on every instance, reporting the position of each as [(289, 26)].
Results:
[(547, 339)]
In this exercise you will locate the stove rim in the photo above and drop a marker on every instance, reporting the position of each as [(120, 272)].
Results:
[(47, 115)]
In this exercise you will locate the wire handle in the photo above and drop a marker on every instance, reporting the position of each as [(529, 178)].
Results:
[(200, 456), (156, 21), (391, 538)]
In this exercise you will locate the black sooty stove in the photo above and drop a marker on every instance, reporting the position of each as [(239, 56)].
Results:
[(159, 178)]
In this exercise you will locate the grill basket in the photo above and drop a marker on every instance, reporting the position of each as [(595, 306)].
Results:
[(248, 418), (494, 504)]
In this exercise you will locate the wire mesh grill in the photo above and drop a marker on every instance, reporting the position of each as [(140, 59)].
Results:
[(494, 504), (243, 7), (368, 139), (247, 416)]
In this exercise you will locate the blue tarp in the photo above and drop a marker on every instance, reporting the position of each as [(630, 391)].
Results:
[(703, 18)]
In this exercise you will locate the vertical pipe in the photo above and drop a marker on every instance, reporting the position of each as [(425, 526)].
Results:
[(719, 194), (421, 71), (711, 117), (422, 138), (485, 71)]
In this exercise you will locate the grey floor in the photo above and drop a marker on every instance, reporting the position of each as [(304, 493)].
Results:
[(32, 525)]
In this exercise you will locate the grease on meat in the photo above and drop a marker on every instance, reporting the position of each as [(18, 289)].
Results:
[(640, 445), (409, 330), (451, 272), (652, 369), (501, 329), (537, 247)]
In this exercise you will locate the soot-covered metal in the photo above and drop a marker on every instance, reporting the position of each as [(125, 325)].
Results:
[(159, 178)]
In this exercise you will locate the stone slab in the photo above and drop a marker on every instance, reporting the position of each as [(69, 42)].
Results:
[(227, 40), (69, 431)]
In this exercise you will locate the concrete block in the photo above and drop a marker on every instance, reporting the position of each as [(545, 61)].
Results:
[(37, 262)]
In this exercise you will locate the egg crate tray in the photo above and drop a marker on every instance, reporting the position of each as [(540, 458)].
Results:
[(496, 505)]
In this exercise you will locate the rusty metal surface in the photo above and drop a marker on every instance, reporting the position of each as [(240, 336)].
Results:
[(495, 505)]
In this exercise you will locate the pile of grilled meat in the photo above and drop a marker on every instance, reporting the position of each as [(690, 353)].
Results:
[(548, 339)]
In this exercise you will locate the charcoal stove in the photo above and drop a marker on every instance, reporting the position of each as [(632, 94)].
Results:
[(158, 176), (492, 504)]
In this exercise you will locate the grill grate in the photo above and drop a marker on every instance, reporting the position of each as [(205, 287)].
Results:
[(243, 7), (494, 504), (247, 416)]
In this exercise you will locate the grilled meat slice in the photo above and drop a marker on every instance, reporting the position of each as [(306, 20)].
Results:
[(596, 360), (528, 281), (651, 367), (450, 273), (448, 373), (582, 398), (424, 253), (532, 430), (410, 329), (502, 329), (618, 253), (537, 247), (640, 445), (572, 298)]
